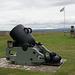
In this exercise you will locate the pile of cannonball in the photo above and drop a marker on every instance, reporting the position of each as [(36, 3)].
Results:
[(53, 58)]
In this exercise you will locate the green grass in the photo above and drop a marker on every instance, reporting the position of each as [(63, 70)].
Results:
[(64, 46)]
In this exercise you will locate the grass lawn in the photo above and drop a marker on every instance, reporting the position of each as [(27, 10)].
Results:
[(62, 45)]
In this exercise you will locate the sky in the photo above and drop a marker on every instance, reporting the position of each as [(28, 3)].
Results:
[(36, 14)]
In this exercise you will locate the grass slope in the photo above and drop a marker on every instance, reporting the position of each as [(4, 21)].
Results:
[(64, 46)]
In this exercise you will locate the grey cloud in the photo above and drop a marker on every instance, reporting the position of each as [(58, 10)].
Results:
[(44, 3), (37, 4), (64, 2), (28, 5), (22, 4)]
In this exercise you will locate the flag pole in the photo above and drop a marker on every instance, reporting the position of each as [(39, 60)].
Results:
[(63, 9), (64, 22)]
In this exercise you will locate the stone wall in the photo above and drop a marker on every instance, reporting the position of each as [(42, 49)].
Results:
[(6, 33), (46, 32)]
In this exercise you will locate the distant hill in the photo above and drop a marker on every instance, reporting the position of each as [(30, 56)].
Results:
[(61, 29)]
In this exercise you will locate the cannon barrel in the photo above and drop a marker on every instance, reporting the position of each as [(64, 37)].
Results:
[(22, 35)]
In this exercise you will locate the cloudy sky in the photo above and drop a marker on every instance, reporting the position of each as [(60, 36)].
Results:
[(36, 14)]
